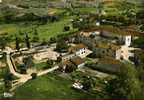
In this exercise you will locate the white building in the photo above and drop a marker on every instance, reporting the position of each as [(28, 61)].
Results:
[(78, 50)]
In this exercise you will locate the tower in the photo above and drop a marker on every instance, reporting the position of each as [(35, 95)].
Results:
[(128, 40)]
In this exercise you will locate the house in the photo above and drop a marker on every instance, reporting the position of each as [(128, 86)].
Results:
[(77, 61), (71, 64), (107, 50), (78, 49), (125, 39)]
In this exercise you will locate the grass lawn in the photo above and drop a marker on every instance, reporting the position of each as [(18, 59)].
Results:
[(40, 66), (51, 87), (86, 10), (2, 86)]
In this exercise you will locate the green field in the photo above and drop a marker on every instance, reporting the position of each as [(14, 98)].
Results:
[(51, 87), (45, 31)]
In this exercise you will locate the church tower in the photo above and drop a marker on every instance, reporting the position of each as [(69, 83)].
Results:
[(128, 40)]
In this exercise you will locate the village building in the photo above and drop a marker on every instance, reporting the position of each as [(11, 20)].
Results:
[(88, 34), (112, 41), (122, 36), (79, 50), (107, 50), (77, 61), (72, 64)]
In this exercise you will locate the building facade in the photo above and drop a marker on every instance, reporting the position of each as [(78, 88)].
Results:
[(107, 50)]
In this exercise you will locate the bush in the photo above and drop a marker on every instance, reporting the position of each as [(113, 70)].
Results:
[(34, 75), (66, 28)]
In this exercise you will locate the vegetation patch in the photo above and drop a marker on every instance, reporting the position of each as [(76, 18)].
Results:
[(51, 87)]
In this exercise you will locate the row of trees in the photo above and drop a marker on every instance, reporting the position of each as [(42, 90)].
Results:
[(27, 41), (4, 40)]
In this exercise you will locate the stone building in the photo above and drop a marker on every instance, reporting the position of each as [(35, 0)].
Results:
[(107, 50)]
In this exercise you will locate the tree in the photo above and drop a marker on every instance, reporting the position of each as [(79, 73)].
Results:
[(126, 85), (23, 69), (139, 42), (27, 40), (88, 83), (2, 44), (8, 77), (3, 41), (8, 14), (59, 59), (35, 36), (44, 42), (61, 45), (66, 28), (99, 7), (34, 75), (17, 43), (69, 5), (50, 63), (52, 40), (28, 62), (70, 68), (142, 28), (128, 10)]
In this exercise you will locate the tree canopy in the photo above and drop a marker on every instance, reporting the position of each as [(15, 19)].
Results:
[(126, 86)]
